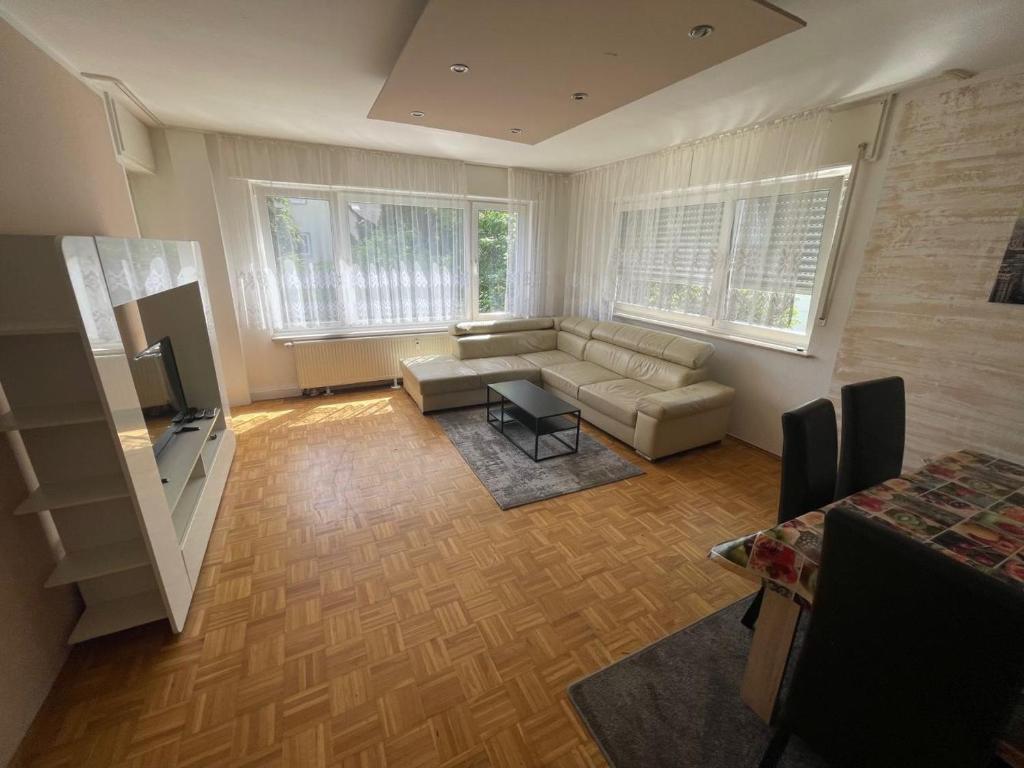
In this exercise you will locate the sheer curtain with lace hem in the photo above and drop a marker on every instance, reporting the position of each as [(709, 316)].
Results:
[(728, 231), (537, 242), (379, 240)]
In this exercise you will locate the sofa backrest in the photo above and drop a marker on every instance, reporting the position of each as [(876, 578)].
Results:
[(666, 346), (573, 334), (634, 365), (663, 360), (471, 327), (513, 343)]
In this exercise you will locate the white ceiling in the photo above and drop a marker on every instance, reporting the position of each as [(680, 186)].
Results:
[(310, 69)]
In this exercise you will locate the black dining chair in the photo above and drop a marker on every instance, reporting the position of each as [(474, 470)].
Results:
[(910, 658), (874, 427), (808, 469)]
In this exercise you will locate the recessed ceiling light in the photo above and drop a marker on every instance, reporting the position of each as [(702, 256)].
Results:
[(416, 113), (459, 69), (516, 130), (701, 30), (579, 96)]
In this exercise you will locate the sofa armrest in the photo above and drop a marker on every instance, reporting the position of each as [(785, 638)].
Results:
[(686, 401)]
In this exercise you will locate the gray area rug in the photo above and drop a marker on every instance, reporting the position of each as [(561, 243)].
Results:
[(512, 477), (676, 703)]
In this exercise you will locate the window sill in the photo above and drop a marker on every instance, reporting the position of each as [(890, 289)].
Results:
[(715, 334), (289, 337)]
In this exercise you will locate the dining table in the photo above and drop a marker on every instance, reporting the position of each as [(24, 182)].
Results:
[(968, 505)]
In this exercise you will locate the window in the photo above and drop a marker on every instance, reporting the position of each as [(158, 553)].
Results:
[(747, 261), (495, 229), (346, 259)]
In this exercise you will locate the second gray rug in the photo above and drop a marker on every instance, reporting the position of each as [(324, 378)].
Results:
[(676, 703), (513, 478)]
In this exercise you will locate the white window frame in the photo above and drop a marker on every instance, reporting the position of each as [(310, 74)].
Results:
[(338, 198), (834, 179)]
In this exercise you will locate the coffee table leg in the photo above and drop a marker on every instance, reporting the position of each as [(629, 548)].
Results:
[(536, 438), (577, 448), (769, 653)]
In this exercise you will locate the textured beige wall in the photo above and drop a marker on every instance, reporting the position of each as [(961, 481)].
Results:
[(57, 176), (952, 192)]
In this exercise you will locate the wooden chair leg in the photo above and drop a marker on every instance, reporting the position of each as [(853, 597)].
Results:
[(775, 748), (749, 619)]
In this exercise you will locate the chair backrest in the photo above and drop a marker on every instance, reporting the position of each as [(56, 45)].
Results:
[(874, 426), (808, 458), (911, 658)]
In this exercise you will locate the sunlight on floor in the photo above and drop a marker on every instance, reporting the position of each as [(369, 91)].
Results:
[(353, 409), (245, 422)]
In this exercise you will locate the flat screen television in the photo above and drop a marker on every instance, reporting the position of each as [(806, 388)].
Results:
[(161, 394)]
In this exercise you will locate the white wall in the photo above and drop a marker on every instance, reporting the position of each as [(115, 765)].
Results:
[(951, 198), (57, 176), (177, 203), (769, 382)]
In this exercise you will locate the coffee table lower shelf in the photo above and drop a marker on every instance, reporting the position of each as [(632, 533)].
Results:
[(505, 412)]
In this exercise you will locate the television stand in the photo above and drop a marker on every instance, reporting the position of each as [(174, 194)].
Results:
[(133, 526)]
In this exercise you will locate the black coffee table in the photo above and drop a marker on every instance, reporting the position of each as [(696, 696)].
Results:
[(540, 412)]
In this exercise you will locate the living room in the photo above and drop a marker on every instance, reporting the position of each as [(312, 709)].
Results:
[(423, 382)]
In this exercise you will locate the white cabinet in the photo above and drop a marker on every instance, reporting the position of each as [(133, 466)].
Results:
[(134, 526)]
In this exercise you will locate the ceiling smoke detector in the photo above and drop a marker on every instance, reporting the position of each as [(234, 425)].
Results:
[(459, 69), (579, 96), (416, 113), (516, 130), (700, 31)]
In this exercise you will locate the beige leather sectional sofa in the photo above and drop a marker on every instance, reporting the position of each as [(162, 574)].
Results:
[(647, 388)]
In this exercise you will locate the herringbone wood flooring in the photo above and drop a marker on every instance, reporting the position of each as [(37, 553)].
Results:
[(365, 603)]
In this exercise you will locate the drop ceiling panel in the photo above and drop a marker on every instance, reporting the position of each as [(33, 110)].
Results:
[(526, 59)]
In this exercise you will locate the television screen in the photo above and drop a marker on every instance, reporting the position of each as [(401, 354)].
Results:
[(160, 392)]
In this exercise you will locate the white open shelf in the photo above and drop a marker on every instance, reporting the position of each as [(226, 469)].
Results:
[(182, 512), (71, 493), (44, 416), (115, 615), (177, 460), (133, 545), (99, 561)]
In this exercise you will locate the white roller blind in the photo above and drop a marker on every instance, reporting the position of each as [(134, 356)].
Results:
[(777, 244), (667, 256)]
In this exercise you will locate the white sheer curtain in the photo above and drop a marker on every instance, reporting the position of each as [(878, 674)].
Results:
[(537, 242), (726, 230), (350, 237)]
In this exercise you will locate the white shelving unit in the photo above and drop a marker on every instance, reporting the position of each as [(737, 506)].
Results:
[(73, 311)]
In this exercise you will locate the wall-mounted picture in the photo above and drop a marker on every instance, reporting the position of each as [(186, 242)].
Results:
[(1009, 287)]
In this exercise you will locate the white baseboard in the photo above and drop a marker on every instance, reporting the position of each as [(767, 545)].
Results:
[(275, 394)]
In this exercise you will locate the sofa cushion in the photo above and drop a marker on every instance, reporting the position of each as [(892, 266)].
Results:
[(667, 346), (633, 365), (574, 345), (687, 401), (579, 326), (504, 368), (549, 358), (616, 398), (514, 343), (569, 377), (469, 327), (437, 374)]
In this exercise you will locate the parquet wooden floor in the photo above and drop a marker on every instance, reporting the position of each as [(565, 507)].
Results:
[(365, 603)]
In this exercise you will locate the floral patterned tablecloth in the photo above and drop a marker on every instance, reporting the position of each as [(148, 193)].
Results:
[(967, 505)]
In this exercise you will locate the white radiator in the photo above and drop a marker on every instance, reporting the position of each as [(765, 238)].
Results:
[(336, 362)]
